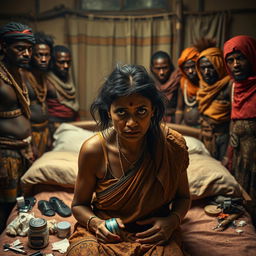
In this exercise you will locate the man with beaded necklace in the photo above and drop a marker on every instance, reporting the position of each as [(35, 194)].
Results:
[(15, 129), (35, 79)]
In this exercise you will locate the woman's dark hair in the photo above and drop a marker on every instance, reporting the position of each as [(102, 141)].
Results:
[(123, 81)]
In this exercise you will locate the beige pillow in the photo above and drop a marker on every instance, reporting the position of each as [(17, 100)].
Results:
[(208, 177), (52, 168)]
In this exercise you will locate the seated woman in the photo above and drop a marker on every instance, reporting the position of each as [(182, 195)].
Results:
[(137, 169)]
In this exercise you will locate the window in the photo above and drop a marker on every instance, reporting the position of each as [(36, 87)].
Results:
[(123, 5)]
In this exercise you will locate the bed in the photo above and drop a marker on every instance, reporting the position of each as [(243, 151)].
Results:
[(54, 174)]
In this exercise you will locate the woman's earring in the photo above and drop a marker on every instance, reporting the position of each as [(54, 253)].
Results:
[(109, 116)]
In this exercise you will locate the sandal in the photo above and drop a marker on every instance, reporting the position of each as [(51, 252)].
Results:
[(60, 207), (46, 208)]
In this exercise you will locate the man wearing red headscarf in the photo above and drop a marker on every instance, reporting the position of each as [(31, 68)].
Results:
[(189, 84), (240, 58)]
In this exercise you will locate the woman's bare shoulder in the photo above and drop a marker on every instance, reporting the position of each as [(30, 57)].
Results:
[(91, 146)]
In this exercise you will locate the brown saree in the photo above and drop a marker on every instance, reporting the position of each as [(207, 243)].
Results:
[(146, 191)]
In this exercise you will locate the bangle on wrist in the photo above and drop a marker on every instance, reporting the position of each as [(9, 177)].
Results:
[(88, 222), (177, 215)]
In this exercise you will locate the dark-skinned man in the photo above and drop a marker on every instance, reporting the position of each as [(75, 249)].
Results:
[(187, 107), (213, 97), (61, 96), (35, 79), (240, 58), (16, 156), (167, 81)]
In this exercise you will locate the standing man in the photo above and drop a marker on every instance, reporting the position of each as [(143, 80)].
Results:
[(166, 81), (61, 97), (214, 101), (187, 107), (35, 79), (15, 130), (240, 57)]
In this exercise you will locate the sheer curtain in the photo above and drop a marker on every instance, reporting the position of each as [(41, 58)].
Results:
[(99, 44)]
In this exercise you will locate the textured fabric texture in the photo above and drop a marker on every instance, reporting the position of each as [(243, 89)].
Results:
[(218, 110), (69, 138), (52, 168), (208, 177)]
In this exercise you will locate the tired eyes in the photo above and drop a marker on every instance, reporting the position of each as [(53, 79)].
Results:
[(122, 112)]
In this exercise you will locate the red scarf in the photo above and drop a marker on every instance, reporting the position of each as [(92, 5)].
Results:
[(244, 97)]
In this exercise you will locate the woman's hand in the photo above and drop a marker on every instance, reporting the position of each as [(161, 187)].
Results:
[(160, 232), (103, 235)]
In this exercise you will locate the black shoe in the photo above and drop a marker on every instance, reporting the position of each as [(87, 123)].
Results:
[(60, 207), (46, 208)]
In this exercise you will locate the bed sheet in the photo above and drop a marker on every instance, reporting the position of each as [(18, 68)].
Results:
[(197, 234)]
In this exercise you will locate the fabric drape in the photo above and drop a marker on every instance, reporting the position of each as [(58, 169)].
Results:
[(189, 53), (100, 44), (244, 96), (206, 94)]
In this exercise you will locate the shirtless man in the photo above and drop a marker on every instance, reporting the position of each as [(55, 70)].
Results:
[(61, 96), (15, 129), (166, 80), (187, 111), (35, 79)]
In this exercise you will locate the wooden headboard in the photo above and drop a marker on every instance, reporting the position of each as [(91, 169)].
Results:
[(183, 129)]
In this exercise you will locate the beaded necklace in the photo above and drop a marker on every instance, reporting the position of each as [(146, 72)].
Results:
[(188, 103), (22, 93)]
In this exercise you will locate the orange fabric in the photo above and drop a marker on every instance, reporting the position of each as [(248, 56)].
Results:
[(138, 196), (207, 93), (84, 244), (190, 53)]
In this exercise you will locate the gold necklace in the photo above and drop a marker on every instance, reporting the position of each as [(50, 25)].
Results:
[(22, 93), (120, 153)]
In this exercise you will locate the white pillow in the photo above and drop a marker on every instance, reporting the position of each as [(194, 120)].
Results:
[(69, 138), (52, 168), (195, 146), (208, 177)]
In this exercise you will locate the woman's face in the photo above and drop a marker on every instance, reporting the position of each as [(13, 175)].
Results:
[(131, 116)]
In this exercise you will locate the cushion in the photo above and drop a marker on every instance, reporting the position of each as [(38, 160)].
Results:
[(195, 146), (208, 177), (52, 168), (69, 138)]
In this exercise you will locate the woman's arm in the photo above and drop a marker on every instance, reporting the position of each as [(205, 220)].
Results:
[(91, 166)]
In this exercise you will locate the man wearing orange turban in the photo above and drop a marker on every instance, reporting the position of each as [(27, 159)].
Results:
[(189, 84), (214, 101)]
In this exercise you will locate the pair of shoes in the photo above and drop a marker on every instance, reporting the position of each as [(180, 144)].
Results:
[(48, 208)]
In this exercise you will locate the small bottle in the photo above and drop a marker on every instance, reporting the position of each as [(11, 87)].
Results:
[(38, 233), (63, 229)]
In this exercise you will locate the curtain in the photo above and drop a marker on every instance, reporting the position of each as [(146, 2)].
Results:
[(206, 25), (99, 44)]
